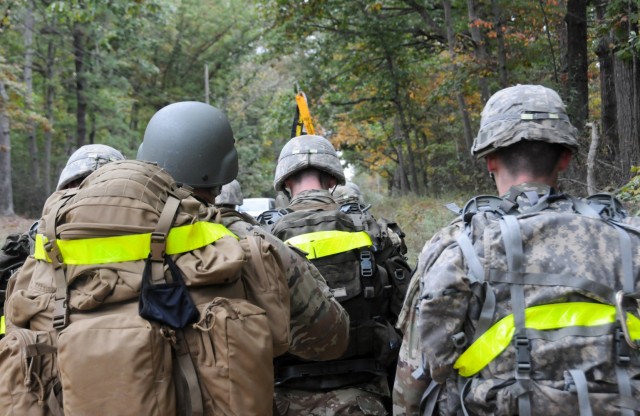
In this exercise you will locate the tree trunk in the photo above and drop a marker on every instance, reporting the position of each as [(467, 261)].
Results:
[(404, 184), (48, 111), (503, 77), (627, 95), (28, 96), (6, 190), (609, 128), (462, 106), (79, 53), (480, 49), (577, 63)]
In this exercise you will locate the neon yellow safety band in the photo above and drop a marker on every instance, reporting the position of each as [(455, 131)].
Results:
[(544, 317), (326, 243), (132, 247), (3, 329)]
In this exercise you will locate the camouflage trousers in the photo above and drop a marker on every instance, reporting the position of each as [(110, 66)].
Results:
[(346, 401)]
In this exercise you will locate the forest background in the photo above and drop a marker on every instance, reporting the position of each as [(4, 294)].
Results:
[(396, 85)]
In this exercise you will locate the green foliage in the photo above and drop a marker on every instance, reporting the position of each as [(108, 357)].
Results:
[(630, 192)]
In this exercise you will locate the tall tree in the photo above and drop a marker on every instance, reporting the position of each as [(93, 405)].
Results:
[(578, 62)]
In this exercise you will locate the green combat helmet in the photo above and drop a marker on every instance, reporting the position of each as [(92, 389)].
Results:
[(230, 194), (347, 194), (307, 151), (192, 141), (523, 112), (85, 160)]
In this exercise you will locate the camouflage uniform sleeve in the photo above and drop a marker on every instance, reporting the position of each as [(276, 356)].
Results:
[(319, 324), (442, 308), (407, 390)]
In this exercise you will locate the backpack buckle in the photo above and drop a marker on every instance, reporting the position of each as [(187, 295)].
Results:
[(523, 353), (623, 352), (60, 313), (366, 263), (158, 245)]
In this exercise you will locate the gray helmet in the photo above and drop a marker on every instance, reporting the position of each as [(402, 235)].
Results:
[(192, 141), (85, 160), (348, 193), (307, 151), (523, 112), (230, 194)]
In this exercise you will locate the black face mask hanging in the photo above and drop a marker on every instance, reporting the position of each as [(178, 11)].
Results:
[(167, 303)]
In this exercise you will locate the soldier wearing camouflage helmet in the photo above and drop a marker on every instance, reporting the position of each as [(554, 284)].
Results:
[(17, 247), (343, 242), (230, 195), (85, 160), (457, 295)]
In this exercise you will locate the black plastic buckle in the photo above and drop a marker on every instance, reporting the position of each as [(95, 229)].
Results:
[(366, 263), (523, 353), (623, 352)]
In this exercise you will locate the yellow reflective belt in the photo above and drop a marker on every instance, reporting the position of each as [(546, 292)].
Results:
[(326, 243), (544, 317), (132, 247), (2, 327)]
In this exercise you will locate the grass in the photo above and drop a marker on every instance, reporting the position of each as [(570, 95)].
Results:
[(419, 217)]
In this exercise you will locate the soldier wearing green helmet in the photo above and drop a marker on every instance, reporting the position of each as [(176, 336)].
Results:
[(502, 258), (194, 142)]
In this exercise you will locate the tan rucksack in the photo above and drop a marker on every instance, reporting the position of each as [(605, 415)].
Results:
[(82, 317)]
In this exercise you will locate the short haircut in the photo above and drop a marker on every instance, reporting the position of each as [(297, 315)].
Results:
[(535, 158), (324, 178)]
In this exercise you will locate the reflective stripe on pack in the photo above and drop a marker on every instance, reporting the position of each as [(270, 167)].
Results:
[(3, 329), (132, 247), (544, 317), (326, 243)]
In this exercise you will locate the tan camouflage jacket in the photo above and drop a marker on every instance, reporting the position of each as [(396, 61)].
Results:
[(319, 324)]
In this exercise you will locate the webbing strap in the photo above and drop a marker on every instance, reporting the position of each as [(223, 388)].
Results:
[(606, 293), (542, 317), (188, 378), (475, 267), (133, 247), (326, 243), (60, 316), (515, 258), (624, 388), (429, 399), (158, 242), (628, 281), (580, 381)]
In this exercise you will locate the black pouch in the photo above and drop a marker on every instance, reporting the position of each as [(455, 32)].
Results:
[(167, 303)]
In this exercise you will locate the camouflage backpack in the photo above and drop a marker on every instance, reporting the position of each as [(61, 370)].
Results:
[(552, 324), (366, 274), (138, 300)]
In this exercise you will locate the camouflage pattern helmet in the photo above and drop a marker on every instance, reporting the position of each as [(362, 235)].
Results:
[(347, 193), (192, 141), (85, 160), (307, 151), (231, 194), (523, 112)]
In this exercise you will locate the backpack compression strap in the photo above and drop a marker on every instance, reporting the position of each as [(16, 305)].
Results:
[(132, 247), (327, 243)]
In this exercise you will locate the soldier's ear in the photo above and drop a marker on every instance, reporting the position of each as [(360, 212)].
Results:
[(492, 162), (565, 160)]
